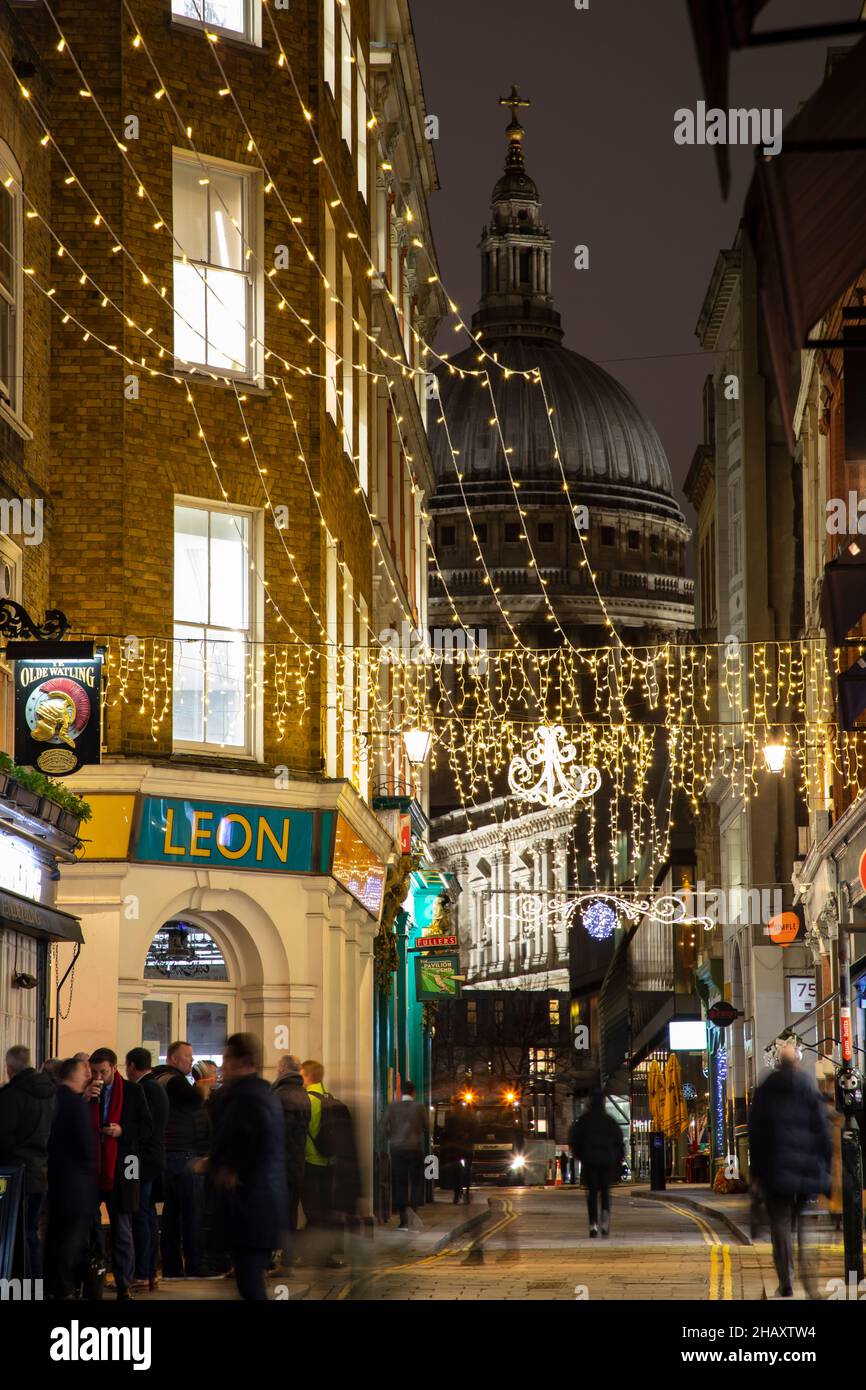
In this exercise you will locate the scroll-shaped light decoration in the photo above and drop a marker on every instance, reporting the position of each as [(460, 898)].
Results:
[(550, 775)]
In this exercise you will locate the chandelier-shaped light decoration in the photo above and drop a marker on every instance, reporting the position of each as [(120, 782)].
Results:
[(550, 775)]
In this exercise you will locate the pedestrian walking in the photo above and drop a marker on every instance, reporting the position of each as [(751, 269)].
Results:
[(73, 1194), (406, 1126), (121, 1122), (26, 1112), (596, 1142), (145, 1222), (458, 1150), (295, 1103), (790, 1160), (183, 1187), (247, 1166)]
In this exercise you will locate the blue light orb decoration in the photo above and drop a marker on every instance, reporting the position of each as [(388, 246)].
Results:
[(600, 921), (689, 1091)]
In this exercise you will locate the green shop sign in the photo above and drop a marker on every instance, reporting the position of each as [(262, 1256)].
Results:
[(220, 835)]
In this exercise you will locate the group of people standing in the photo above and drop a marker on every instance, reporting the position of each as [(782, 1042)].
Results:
[(230, 1157)]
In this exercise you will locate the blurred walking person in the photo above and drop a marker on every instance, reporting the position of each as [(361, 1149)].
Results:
[(72, 1188), (247, 1167), (121, 1122), (407, 1127), (295, 1103), (26, 1111), (790, 1159), (596, 1142), (145, 1222), (458, 1150)]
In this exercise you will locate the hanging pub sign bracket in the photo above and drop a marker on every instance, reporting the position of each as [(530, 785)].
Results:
[(15, 621), (58, 692)]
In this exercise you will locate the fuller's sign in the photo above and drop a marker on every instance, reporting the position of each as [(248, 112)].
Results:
[(58, 713)]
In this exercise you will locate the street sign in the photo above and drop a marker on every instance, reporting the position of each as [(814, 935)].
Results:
[(427, 943), (722, 1014)]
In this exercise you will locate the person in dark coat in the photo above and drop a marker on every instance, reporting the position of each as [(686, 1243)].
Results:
[(183, 1210), (145, 1223), (123, 1130), (458, 1150), (596, 1142), (26, 1111), (290, 1092), (248, 1167), (72, 1188), (790, 1160)]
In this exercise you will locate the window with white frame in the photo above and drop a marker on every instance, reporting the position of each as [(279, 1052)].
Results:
[(363, 402), (330, 43), (237, 18), (362, 118), (11, 279), (348, 363), (213, 627), (216, 218), (346, 64), (349, 674), (331, 301), (331, 665)]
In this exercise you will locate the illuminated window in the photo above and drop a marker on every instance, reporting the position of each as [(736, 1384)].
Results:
[(215, 218), (554, 1013), (471, 1016), (331, 297), (212, 627), (238, 18), (330, 44), (542, 1061), (361, 117), (11, 277)]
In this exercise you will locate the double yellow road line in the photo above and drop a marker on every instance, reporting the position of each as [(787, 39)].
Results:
[(509, 1215), (721, 1277)]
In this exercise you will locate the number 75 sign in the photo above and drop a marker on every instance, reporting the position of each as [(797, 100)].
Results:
[(802, 994)]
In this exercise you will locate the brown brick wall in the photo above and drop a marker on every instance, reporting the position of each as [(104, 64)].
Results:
[(117, 464)]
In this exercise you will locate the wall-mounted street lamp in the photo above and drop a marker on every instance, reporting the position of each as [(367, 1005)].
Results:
[(417, 743), (775, 752)]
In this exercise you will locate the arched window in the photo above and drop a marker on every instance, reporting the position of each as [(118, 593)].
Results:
[(182, 951)]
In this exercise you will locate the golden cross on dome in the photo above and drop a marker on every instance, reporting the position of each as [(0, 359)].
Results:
[(515, 101)]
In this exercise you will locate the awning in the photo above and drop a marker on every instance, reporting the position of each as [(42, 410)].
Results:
[(20, 914), (718, 26), (806, 217)]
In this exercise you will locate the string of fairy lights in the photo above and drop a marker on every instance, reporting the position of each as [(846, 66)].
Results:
[(483, 705)]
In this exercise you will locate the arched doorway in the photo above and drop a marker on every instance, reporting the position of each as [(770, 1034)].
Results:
[(192, 990)]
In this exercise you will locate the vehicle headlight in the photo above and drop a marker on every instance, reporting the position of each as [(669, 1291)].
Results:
[(518, 1161)]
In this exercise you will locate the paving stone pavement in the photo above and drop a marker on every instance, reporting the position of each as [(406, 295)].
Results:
[(532, 1244)]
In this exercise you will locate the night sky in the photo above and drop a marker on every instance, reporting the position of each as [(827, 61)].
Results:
[(604, 84)]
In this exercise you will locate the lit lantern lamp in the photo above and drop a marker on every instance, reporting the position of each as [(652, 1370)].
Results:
[(417, 743), (775, 753)]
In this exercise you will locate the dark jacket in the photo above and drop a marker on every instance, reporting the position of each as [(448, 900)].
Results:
[(596, 1139), (153, 1152), (72, 1186), (26, 1111), (406, 1125), (136, 1136), (289, 1091), (183, 1127), (248, 1142), (790, 1141)]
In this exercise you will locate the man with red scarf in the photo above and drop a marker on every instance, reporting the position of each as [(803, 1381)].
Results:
[(121, 1121)]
